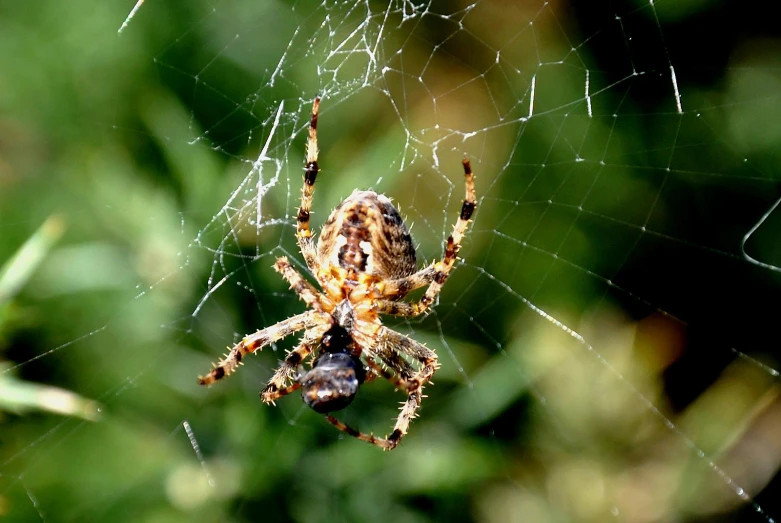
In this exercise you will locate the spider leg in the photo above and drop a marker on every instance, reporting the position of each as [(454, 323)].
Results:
[(305, 290), (398, 381), (397, 289), (407, 414), (391, 340), (395, 343), (388, 443), (257, 341), (384, 340), (397, 308), (370, 346), (390, 344), (306, 242), (393, 359), (280, 383), (441, 270)]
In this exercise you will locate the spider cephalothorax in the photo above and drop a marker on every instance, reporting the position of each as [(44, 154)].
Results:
[(365, 263)]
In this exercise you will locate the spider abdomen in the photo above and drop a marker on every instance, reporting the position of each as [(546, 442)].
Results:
[(333, 382), (366, 234)]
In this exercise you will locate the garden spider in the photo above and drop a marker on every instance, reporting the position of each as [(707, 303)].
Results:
[(365, 263)]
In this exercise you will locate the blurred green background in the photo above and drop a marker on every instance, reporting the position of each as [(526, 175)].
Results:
[(133, 250)]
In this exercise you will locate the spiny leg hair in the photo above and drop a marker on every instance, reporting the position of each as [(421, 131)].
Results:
[(384, 443), (397, 289), (283, 381), (395, 361), (441, 270), (390, 341), (304, 236), (259, 340), (305, 290)]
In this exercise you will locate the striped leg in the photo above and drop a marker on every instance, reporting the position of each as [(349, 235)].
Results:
[(306, 242), (390, 345), (397, 308), (257, 341), (441, 270), (372, 347), (395, 361), (386, 340), (305, 290), (398, 343), (284, 380), (397, 289), (398, 381), (391, 340), (388, 443)]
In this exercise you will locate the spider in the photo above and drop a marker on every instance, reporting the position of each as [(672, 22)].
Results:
[(365, 263)]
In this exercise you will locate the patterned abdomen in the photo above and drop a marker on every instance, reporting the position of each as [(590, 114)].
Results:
[(365, 233)]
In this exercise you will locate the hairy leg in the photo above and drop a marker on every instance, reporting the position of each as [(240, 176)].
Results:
[(441, 270), (390, 344), (305, 290), (387, 443), (397, 289), (306, 242), (283, 382), (392, 340), (257, 341)]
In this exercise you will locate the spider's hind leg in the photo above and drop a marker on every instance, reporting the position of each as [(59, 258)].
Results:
[(387, 443), (395, 342), (284, 381), (391, 340), (391, 345), (390, 441)]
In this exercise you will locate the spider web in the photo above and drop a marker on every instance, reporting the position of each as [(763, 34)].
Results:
[(607, 339)]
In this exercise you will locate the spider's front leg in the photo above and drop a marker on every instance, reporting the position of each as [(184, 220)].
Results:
[(259, 340), (396, 289), (306, 242), (437, 273)]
